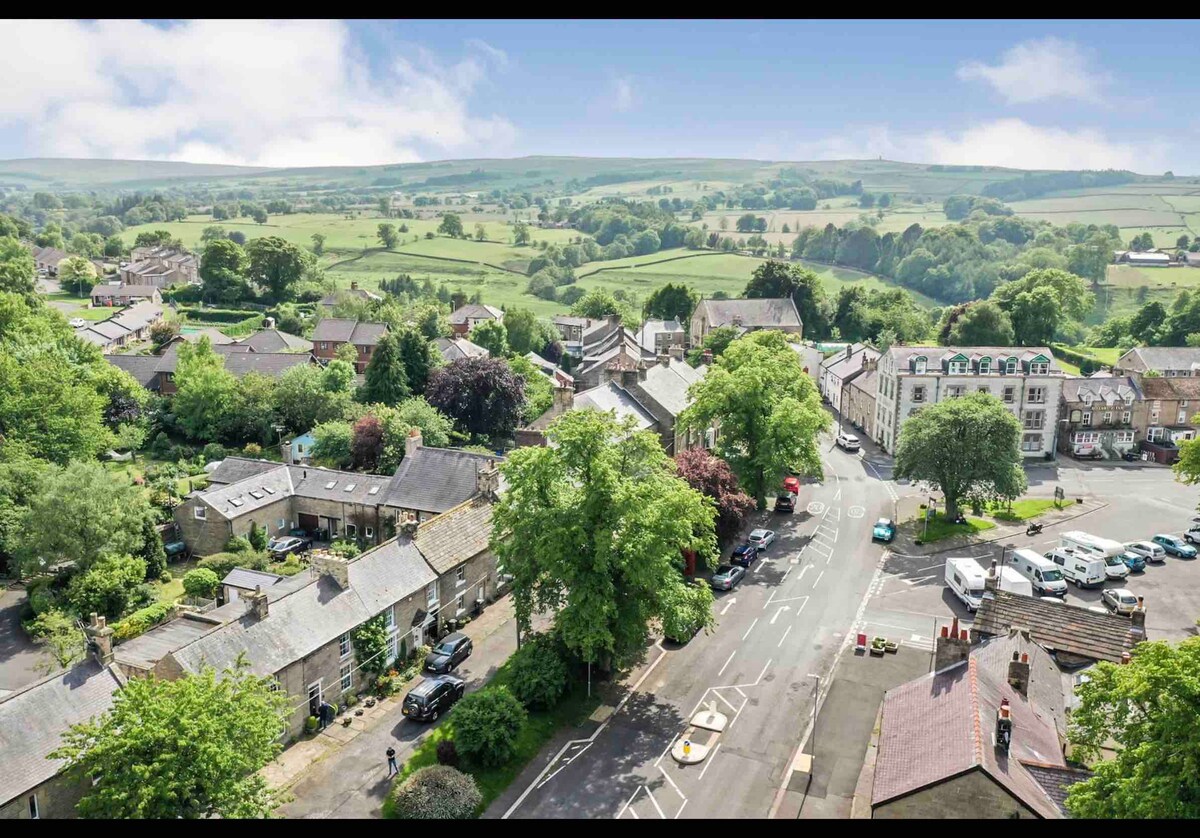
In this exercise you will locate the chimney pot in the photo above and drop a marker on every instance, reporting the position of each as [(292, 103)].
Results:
[(952, 648), (257, 603), (1018, 673), (413, 441), (945, 631), (1024, 657), (664, 359), (1125, 658)]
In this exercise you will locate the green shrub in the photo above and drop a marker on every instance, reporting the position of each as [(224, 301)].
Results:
[(438, 792), (539, 673), (165, 577), (447, 753), (108, 587), (222, 563), (345, 549), (43, 598), (201, 583), (253, 450), (257, 537), (238, 544), (214, 451), (141, 621), (486, 725)]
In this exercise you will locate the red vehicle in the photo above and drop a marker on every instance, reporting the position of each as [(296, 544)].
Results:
[(791, 484)]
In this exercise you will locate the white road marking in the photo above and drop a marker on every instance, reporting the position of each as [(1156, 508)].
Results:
[(627, 802), (818, 582), (710, 761), (728, 605), (665, 750), (672, 782), (806, 569), (761, 674), (717, 693), (738, 713), (785, 634), (650, 794), (747, 634), (731, 654), (789, 570), (856, 512), (782, 608), (801, 608), (767, 604), (680, 812)]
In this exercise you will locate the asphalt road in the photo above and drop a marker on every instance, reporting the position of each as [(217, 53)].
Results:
[(785, 623)]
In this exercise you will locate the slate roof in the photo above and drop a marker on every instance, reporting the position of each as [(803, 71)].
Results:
[(237, 499), (474, 311), (456, 535), (101, 291), (341, 330), (548, 368), (1059, 627), (146, 650), (273, 340), (233, 469), (104, 332), (1161, 387), (844, 367), (1056, 781), (646, 334), (330, 300), (241, 577), (348, 486), (32, 721), (1109, 390), (241, 359), (937, 355), (942, 724), (668, 385), (755, 314), (49, 255), (215, 336), (454, 349), (1164, 357), (868, 382), (611, 396), (436, 479), (568, 320), (142, 367), (259, 488), (302, 621)]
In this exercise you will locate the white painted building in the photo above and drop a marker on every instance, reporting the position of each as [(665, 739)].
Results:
[(1026, 379)]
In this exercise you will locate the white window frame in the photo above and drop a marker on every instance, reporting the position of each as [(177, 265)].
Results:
[(351, 531), (958, 367), (1085, 437), (920, 364), (1123, 437), (369, 531), (1010, 394), (1010, 366), (344, 646), (1106, 417), (390, 611), (1126, 417), (1031, 414), (1039, 368), (1181, 417), (393, 648), (955, 391), (1086, 418), (918, 393), (1035, 395), (460, 576), (985, 366), (460, 604), (1031, 442), (201, 512), (324, 345), (431, 595), (347, 676)]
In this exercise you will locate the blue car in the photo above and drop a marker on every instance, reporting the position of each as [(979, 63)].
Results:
[(1133, 561), (744, 555), (884, 530), (1175, 546)]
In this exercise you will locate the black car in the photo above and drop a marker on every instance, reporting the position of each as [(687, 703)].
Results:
[(785, 503), (429, 699), (281, 547), (453, 650), (744, 555)]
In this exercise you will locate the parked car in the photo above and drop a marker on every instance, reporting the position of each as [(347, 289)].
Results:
[(1136, 562), (762, 539), (785, 502), (792, 485), (280, 547), (726, 576), (1175, 545), (744, 555), (1119, 600), (1192, 536), (847, 442), (453, 650), (1115, 568), (1148, 550), (433, 697), (884, 530), (1089, 452), (77, 322)]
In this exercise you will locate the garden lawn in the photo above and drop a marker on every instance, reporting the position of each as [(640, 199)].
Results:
[(940, 528), (1022, 510), (540, 727)]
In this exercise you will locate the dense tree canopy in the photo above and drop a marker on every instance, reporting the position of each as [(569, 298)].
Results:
[(592, 528), (981, 323), (712, 477), (672, 302), (482, 395), (779, 279), (276, 265)]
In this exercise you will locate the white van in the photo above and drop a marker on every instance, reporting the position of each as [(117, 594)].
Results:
[(1044, 575), (1078, 566), (968, 580), (1082, 542)]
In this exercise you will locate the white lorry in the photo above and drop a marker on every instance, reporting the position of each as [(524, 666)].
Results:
[(967, 578)]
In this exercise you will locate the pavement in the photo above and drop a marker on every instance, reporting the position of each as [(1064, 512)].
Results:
[(342, 773), (908, 534), (18, 654)]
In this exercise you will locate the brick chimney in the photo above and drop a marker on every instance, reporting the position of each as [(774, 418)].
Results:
[(413, 441), (256, 603), (408, 524), (487, 480), (1137, 619), (676, 352), (992, 582), (1018, 673), (953, 647), (99, 637), (337, 569), (1004, 726), (564, 398)]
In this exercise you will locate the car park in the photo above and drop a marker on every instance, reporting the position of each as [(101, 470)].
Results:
[(847, 442), (280, 547), (453, 650), (1119, 600), (1175, 546), (726, 576), (785, 502), (1044, 575), (1134, 561), (744, 555), (884, 530), (1148, 550), (762, 539), (1115, 568), (1192, 536), (433, 697)]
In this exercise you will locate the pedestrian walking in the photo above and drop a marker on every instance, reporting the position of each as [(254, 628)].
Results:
[(392, 767)]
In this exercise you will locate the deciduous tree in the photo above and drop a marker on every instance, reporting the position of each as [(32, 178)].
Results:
[(713, 478), (492, 336), (388, 236), (451, 226), (779, 279), (276, 265), (482, 395), (672, 302)]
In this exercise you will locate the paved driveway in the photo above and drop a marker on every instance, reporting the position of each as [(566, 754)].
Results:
[(18, 655)]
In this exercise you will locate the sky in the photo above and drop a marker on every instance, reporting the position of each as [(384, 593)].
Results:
[(1025, 94)]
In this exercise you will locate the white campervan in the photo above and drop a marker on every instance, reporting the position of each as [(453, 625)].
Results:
[(1044, 575), (1079, 566), (1082, 542), (968, 580)]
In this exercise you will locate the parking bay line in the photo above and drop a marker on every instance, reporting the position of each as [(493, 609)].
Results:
[(710, 761), (785, 634), (727, 660), (752, 625)]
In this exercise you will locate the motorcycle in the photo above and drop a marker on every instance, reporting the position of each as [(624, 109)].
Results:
[(1034, 529)]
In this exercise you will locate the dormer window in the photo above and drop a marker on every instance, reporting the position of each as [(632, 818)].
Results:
[(1010, 366), (919, 364), (1039, 366), (958, 366), (985, 366)]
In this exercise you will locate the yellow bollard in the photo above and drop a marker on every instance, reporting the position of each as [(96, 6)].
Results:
[(687, 748)]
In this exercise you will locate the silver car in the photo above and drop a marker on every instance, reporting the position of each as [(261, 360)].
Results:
[(1148, 550), (1119, 600), (1115, 568), (762, 538)]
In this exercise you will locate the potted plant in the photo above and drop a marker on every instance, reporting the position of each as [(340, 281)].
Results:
[(310, 724)]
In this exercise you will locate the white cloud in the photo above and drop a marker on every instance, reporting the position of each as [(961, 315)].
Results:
[(1037, 70), (1003, 142), (277, 93), (624, 97)]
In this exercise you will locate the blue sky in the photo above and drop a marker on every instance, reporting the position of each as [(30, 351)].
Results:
[(1038, 94)]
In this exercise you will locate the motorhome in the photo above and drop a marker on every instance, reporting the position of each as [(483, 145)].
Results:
[(1045, 576), (967, 578), (1083, 568), (1082, 542)]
